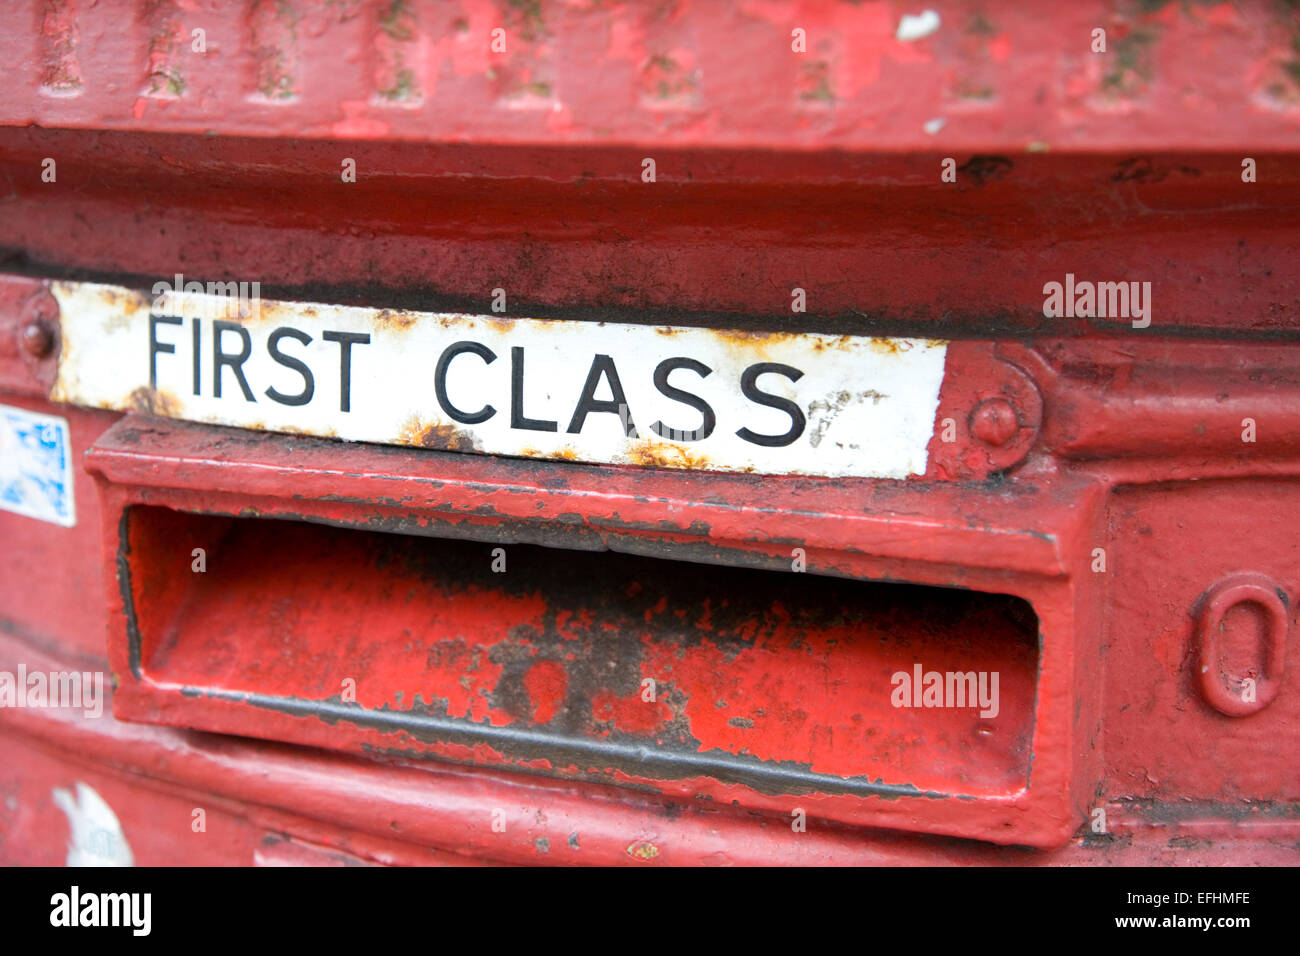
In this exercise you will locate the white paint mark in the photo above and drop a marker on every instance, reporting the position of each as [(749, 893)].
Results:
[(912, 28), (95, 836)]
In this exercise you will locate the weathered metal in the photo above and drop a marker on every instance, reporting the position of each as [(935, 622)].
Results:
[(38, 339), (695, 73), (1104, 517), (541, 664)]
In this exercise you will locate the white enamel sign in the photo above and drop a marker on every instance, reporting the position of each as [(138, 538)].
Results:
[(675, 397)]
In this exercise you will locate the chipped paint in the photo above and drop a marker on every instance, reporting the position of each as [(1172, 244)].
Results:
[(912, 28), (642, 850), (603, 392), (95, 836)]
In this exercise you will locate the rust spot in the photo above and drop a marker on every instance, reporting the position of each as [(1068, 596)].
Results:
[(664, 455), (566, 453), (642, 850), (396, 319), (153, 401), (747, 338), (444, 437), (266, 310), (887, 346)]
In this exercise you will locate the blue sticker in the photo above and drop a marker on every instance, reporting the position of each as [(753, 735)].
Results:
[(36, 466)]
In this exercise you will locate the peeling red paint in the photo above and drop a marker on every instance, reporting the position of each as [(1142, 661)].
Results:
[(773, 171)]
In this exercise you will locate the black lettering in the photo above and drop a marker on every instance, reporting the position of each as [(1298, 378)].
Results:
[(155, 346), (196, 333), (221, 358), (288, 361), (602, 366), (517, 419), (710, 420), (440, 382), (346, 340), (749, 386)]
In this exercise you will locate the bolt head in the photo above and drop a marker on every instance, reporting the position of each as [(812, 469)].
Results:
[(38, 339), (994, 421)]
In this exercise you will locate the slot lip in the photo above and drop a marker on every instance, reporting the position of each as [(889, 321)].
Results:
[(1022, 527), (771, 777), (1044, 813)]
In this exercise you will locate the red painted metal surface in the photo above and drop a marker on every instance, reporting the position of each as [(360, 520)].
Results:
[(542, 666), (775, 170), (679, 74)]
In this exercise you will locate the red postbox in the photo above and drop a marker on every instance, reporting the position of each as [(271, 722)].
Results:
[(546, 434)]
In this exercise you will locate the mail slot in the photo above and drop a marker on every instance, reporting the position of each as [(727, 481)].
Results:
[(582, 662), (621, 626)]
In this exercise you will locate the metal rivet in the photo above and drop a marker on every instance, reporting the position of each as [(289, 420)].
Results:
[(38, 339), (994, 421)]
